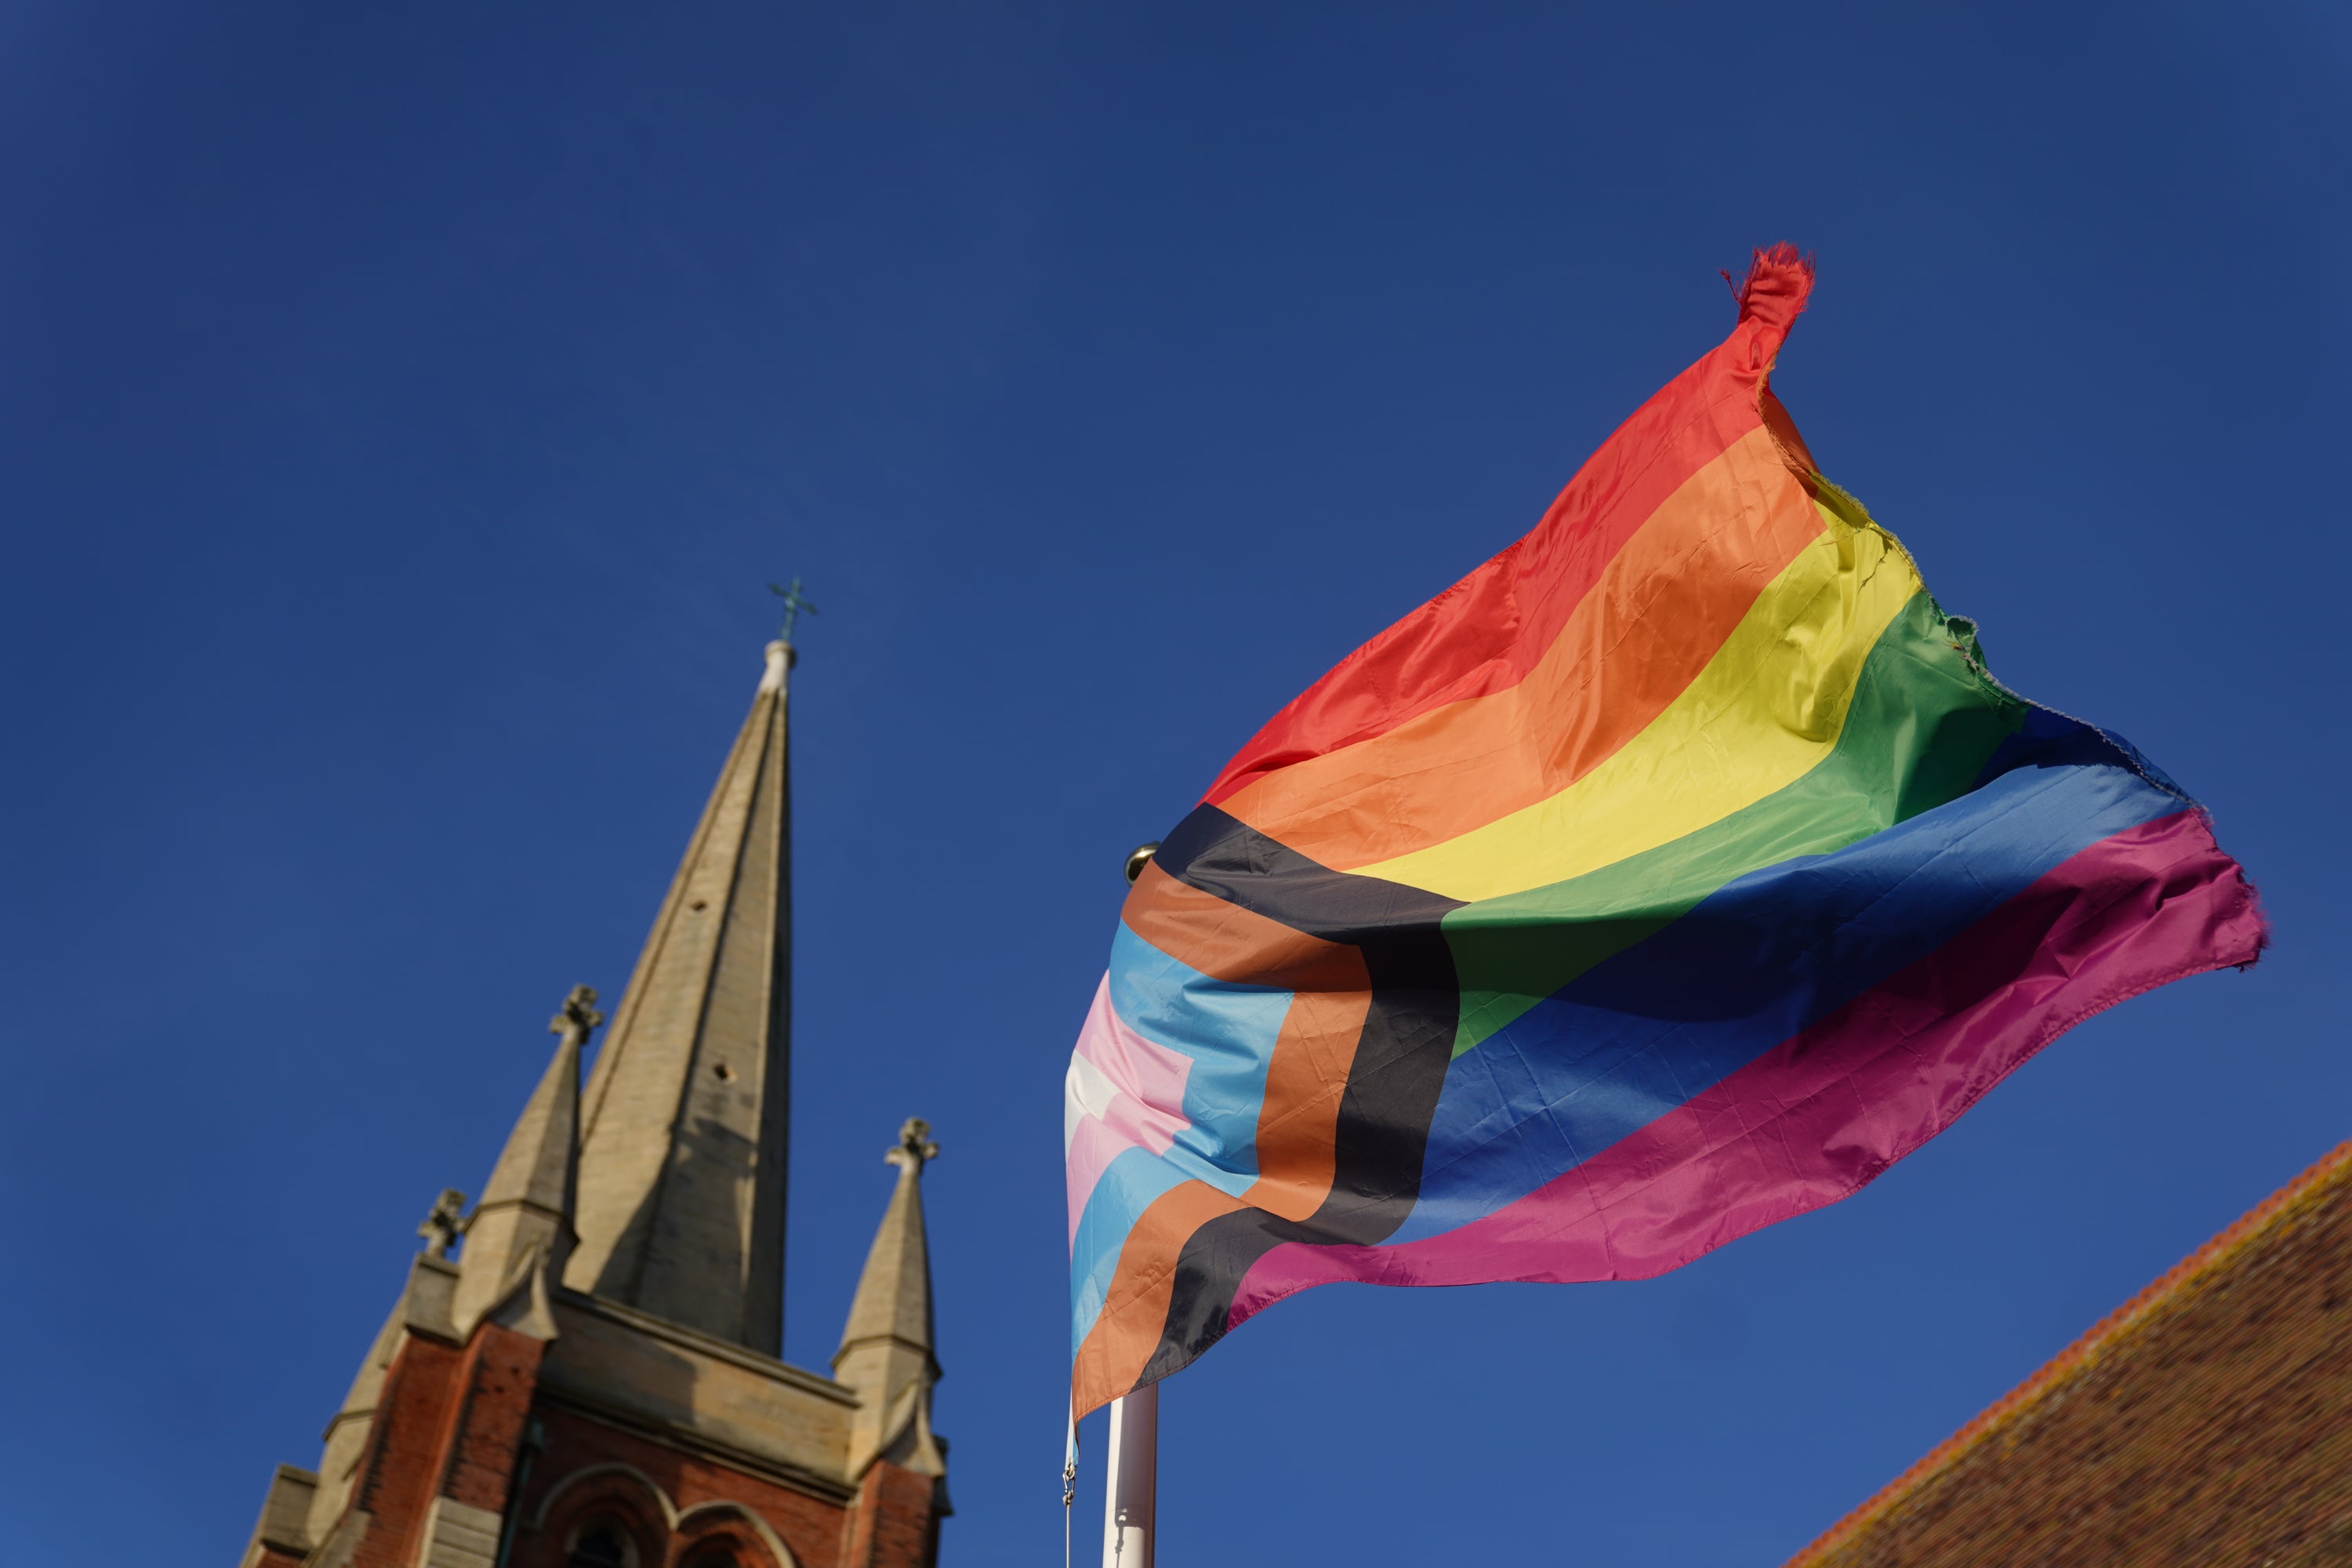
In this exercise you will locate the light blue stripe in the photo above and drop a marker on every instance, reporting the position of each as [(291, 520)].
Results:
[(1229, 1032), (1129, 1185)]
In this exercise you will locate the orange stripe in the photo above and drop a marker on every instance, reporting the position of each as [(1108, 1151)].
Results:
[(1298, 1124), (1659, 612), (1331, 992), (1298, 1121), (1228, 942), (1134, 1309)]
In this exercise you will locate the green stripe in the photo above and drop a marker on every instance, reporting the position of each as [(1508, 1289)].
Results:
[(1923, 724)]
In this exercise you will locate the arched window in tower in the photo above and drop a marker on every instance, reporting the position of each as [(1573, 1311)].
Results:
[(602, 1543)]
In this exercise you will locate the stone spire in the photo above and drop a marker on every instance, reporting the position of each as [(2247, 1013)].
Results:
[(522, 1229), (886, 1347), (681, 1210)]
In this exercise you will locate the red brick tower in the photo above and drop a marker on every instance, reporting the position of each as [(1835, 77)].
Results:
[(593, 1380)]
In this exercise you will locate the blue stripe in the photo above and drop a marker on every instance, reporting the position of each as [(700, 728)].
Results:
[(1641, 1032)]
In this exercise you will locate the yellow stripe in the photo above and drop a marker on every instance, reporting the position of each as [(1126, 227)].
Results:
[(1766, 709)]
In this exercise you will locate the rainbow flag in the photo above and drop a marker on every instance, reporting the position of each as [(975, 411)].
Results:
[(1675, 872)]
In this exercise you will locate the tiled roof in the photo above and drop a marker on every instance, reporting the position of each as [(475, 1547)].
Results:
[(2206, 1421)]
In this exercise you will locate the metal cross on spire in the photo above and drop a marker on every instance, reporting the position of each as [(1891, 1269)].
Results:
[(795, 603)]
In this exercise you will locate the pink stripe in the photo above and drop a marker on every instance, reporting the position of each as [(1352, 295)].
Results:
[(1822, 1115), (1146, 1109)]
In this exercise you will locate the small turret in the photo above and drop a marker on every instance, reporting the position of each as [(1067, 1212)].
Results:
[(886, 1347), (519, 1235)]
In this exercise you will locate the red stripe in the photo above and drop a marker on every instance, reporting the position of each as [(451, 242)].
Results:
[(1824, 1113), (1487, 631), (1655, 618)]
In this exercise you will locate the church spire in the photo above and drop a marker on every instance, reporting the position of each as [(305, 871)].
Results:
[(681, 1208), (886, 1347)]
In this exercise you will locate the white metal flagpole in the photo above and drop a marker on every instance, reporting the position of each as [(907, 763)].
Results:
[(1131, 1484)]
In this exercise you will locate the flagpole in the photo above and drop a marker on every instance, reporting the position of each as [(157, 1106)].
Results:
[(1131, 1482)]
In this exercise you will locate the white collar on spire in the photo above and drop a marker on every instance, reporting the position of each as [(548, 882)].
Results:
[(779, 659)]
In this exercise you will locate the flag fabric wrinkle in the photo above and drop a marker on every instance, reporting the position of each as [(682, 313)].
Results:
[(1673, 873)]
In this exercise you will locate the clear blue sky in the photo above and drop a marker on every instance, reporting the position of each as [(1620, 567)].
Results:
[(403, 406)]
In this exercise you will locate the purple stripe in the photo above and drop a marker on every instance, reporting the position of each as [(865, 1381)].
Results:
[(1822, 1115)]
